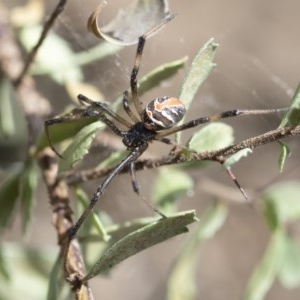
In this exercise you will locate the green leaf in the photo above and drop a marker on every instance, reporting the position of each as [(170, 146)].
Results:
[(56, 280), (159, 74), (169, 186), (281, 203), (284, 152), (4, 272), (142, 239), (198, 71), (267, 269), (77, 60), (112, 159), (9, 193), (55, 51), (154, 78), (211, 137), (131, 22), (7, 118), (29, 272), (289, 273), (79, 146), (236, 157), (292, 116), (182, 280), (29, 181)]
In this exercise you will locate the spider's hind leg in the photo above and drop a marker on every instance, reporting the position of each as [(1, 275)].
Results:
[(136, 189)]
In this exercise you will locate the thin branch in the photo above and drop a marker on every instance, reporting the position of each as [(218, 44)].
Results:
[(76, 177), (62, 221), (47, 26)]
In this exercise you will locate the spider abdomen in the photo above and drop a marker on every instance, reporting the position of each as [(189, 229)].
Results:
[(162, 113)]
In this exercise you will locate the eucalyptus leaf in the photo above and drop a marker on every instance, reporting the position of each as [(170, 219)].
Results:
[(79, 146), (198, 71), (29, 272), (169, 186), (56, 280), (142, 239), (29, 184), (9, 194), (284, 152), (4, 272), (97, 223), (161, 73), (112, 160), (130, 23), (267, 269), (213, 136), (292, 116), (7, 118), (281, 203), (233, 159), (156, 77), (289, 273), (55, 51), (182, 280)]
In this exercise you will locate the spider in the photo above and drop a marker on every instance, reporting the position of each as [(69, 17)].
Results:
[(155, 122)]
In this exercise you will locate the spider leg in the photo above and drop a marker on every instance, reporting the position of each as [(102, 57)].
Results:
[(137, 63), (136, 189), (126, 161), (103, 107), (126, 107), (215, 117), (63, 119), (97, 111)]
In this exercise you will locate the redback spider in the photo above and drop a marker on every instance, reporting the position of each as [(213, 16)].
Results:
[(152, 123)]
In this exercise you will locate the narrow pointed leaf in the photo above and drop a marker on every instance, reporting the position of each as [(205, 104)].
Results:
[(267, 269), (281, 203), (170, 185), (236, 157), (198, 71), (159, 74), (292, 116), (284, 153), (56, 280), (9, 193), (289, 273), (211, 137), (7, 118), (55, 51), (182, 280), (142, 239), (80, 145), (97, 224), (29, 184)]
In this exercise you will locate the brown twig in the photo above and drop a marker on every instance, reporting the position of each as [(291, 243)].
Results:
[(47, 26), (62, 221), (76, 177)]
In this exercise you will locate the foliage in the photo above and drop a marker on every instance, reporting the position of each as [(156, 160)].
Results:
[(117, 242)]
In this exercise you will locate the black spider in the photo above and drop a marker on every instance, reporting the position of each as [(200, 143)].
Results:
[(152, 123)]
